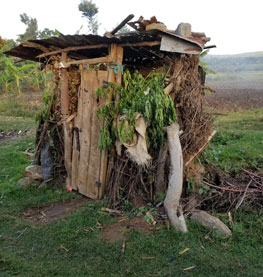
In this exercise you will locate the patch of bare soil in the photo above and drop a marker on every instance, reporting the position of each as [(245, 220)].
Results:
[(117, 231), (54, 211), (236, 96), (7, 135)]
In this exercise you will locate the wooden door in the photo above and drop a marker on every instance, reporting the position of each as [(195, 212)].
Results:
[(88, 162)]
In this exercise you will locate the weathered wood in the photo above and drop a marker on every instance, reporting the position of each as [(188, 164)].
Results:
[(160, 174), (126, 20), (174, 191), (96, 46), (106, 59), (73, 48), (35, 45), (86, 156), (113, 51), (66, 127), (141, 43), (169, 88), (76, 140), (84, 187), (119, 58), (210, 222)]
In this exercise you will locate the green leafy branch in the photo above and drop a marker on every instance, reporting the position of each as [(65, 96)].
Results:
[(137, 95)]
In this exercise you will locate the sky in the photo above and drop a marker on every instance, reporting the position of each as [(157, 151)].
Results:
[(235, 26)]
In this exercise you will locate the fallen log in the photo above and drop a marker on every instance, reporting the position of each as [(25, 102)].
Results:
[(210, 222)]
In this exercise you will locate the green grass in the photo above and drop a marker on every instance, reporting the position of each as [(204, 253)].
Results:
[(30, 249), (238, 143), (65, 248), (9, 123), (13, 160), (26, 105)]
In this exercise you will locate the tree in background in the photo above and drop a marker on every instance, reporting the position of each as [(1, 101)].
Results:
[(23, 75), (47, 33), (31, 30), (2, 43), (89, 10)]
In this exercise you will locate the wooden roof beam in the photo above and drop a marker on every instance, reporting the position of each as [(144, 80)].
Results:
[(84, 47), (73, 48), (107, 59)]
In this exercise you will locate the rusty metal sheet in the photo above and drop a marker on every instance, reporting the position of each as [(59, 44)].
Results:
[(178, 45)]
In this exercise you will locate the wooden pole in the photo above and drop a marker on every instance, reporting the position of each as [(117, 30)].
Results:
[(66, 127)]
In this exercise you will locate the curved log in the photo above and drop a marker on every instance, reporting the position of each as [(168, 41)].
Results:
[(174, 191)]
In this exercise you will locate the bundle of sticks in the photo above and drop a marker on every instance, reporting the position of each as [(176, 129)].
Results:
[(248, 193)]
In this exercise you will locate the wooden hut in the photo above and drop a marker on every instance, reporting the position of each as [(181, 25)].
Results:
[(150, 46)]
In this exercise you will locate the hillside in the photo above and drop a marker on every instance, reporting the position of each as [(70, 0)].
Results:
[(247, 67)]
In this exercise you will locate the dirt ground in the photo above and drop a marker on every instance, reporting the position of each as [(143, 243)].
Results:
[(235, 95), (118, 231), (111, 232), (55, 211)]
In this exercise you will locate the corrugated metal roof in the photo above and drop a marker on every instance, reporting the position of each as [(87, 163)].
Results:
[(56, 43)]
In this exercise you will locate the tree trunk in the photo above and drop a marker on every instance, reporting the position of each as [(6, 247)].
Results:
[(172, 199)]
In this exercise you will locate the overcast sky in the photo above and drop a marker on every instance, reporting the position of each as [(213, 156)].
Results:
[(235, 26)]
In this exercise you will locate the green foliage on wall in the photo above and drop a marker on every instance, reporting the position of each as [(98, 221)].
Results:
[(137, 95)]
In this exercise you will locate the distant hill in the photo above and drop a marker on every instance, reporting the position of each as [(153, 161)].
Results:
[(246, 66)]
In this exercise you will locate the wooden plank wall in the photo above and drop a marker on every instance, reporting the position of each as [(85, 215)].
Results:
[(89, 165)]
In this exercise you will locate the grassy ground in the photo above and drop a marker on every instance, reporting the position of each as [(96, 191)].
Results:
[(26, 105), (69, 248), (9, 123), (238, 143)]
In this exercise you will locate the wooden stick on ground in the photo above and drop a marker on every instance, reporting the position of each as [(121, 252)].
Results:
[(123, 249)]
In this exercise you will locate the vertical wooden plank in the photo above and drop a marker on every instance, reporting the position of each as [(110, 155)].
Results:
[(65, 112), (94, 166), (119, 59), (89, 164), (85, 134), (116, 52), (76, 140)]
